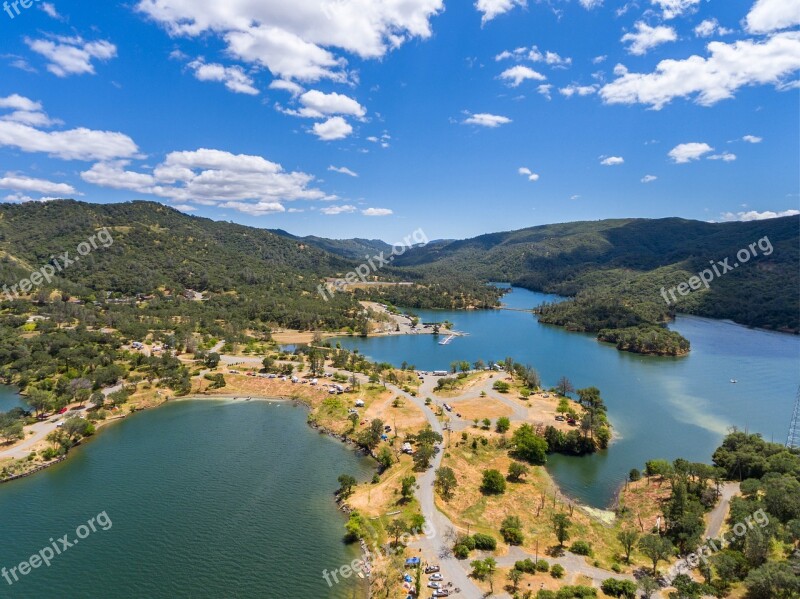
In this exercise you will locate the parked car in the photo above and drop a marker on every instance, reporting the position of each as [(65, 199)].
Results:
[(63, 410), (436, 576), (435, 585), (432, 568)]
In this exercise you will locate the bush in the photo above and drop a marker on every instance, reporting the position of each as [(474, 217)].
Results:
[(493, 482), (511, 530), (616, 568), (484, 542), (635, 475), (619, 588), (581, 548), (461, 551), (527, 566), (542, 566), (557, 571)]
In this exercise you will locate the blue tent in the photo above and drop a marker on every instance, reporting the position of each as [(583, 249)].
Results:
[(412, 561)]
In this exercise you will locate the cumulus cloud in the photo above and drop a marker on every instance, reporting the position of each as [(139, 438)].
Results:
[(342, 170), (752, 139), (288, 86), (717, 77), (72, 55), (683, 153), (249, 184), (526, 172), (317, 104), (301, 40), (16, 182), (50, 10), (590, 4), (647, 37), (334, 210), (545, 90), (649, 178), (516, 75), (494, 8), (19, 130), (377, 212), (755, 215), (612, 161), (674, 8), (332, 129), (533, 54), (486, 120), (773, 15), (234, 78), (709, 27)]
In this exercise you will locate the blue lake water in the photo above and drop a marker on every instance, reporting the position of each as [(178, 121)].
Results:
[(660, 407)]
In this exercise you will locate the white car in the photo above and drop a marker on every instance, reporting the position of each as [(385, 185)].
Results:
[(60, 423), (436, 577), (435, 585)]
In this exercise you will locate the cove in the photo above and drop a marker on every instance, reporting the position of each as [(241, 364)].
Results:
[(660, 407), (207, 499)]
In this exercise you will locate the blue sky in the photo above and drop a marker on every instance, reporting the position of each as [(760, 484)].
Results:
[(373, 118)]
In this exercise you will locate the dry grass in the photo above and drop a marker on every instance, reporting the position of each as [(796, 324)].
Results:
[(481, 408)]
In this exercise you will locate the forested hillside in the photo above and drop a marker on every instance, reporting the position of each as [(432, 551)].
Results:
[(617, 269)]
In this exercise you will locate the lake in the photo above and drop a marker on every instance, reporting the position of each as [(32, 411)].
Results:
[(660, 407), (206, 499), (9, 398)]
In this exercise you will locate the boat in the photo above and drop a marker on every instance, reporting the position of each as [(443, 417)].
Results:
[(734, 381)]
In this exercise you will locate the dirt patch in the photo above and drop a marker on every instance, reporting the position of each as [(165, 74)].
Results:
[(480, 408)]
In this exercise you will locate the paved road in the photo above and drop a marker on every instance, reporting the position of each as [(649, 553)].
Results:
[(717, 516)]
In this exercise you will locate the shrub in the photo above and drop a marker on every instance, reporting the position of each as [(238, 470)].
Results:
[(581, 548), (493, 482), (511, 530), (461, 551), (557, 571), (619, 588), (484, 542), (542, 566), (527, 566), (635, 475)]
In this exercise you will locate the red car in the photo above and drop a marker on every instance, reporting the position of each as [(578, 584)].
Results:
[(62, 411)]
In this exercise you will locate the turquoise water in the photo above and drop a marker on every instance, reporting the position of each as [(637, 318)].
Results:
[(206, 499), (660, 407), (9, 398)]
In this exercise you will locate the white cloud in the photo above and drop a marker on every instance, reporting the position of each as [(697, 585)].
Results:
[(590, 4), (343, 170), (334, 210), (599, 59), (612, 161), (579, 90), (752, 139), (494, 8), (755, 215), (72, 55), (516, 75), (486, 120), (556, 60), (709, 27), (683, 153), (249, 184), (18, 102), (649, 178), (526, 172), (377, 212), (728, 68), (533, 54), (725, 157), (73, 144), (26, 112), (288, 86), (50, 10), (27, 184), (674, 8), (647, 37), (772, 15), (299, 40), (332, 129), (545, 90), (21, 197), (234, 78), (317, 104)]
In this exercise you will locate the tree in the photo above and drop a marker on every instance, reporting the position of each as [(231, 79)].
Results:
[(503, 424), (486, 423), (485, 569), (446, 482), (372, 436), (561, 526), (75, 428), (212, 360), (529, 446), (423, 456), (516, 471), (511, 530), (657, 548), (396, 528), (97, 399), (41, 401), (385, 457), (515, 576), (628, 540), (563, 406), (12, 432), (409, 483), (648, 585), (346, 484), (564, 386), (493, 483), (773, 580)]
